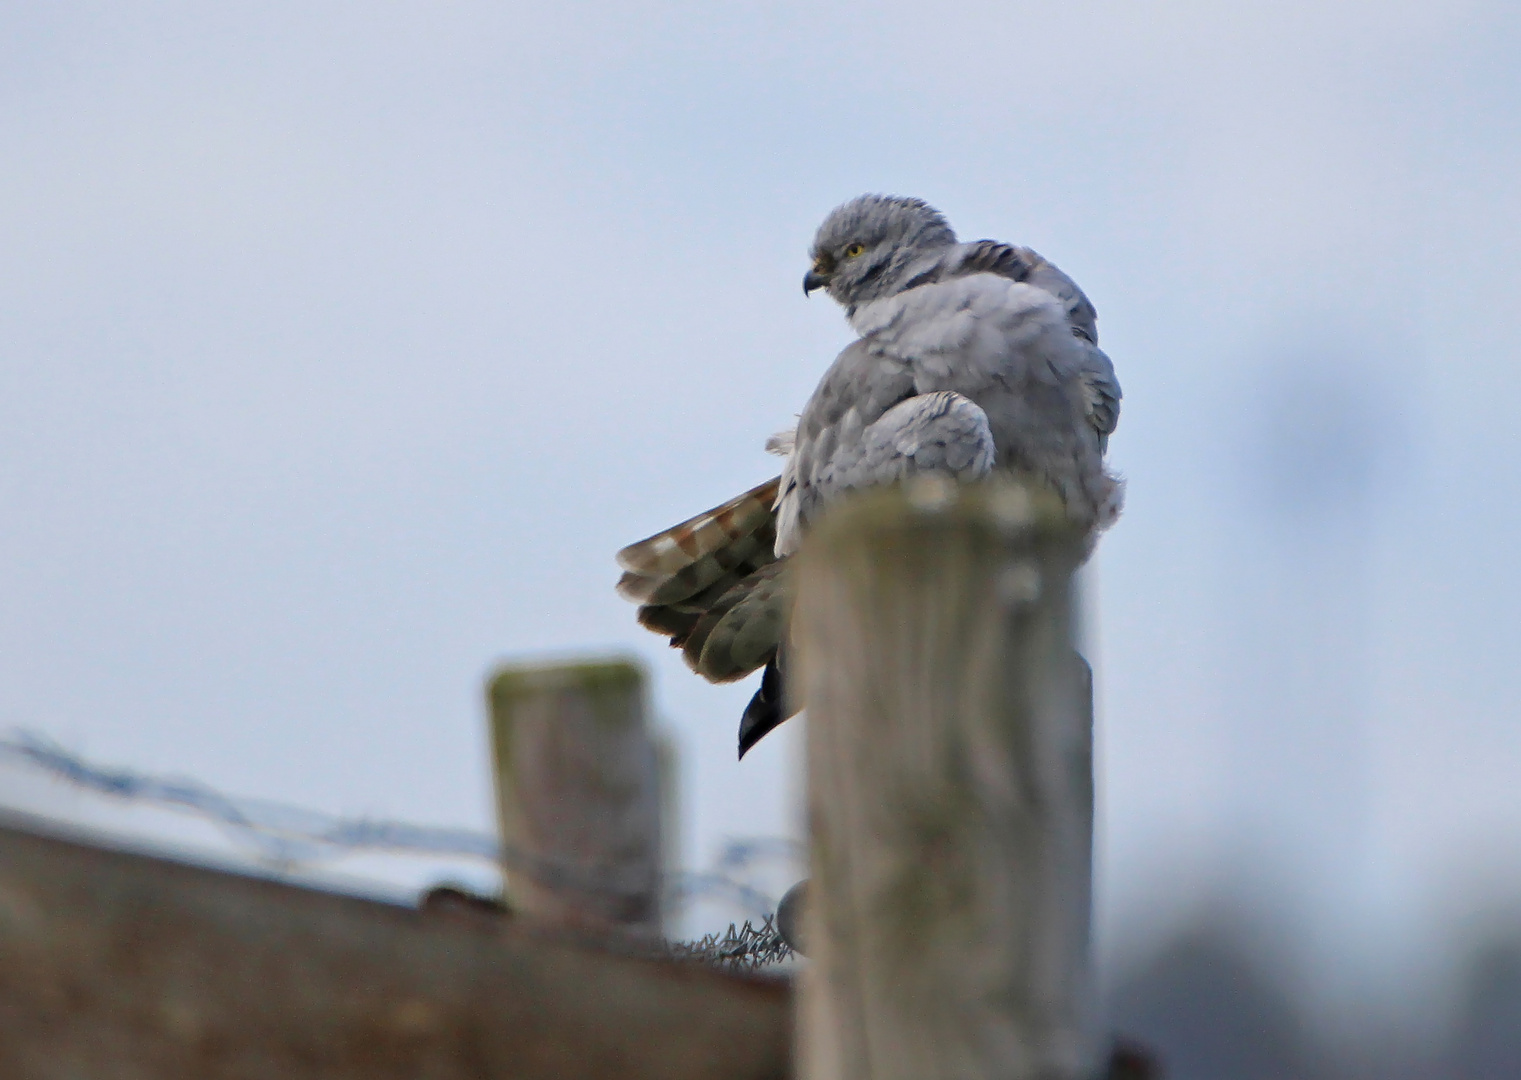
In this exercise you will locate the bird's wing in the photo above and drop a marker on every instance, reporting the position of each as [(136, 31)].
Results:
[(741, 631), (942, 432), (1024, 265), (1101, 393), (858, 388), (678, 573), (1101, 389), (868, 424), (680, 561), (1048, 393)]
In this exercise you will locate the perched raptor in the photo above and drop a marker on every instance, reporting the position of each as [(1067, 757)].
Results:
[(970, 358)]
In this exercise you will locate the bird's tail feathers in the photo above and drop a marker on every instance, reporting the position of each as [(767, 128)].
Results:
[(681, 561), (743, 628), (713, 585)]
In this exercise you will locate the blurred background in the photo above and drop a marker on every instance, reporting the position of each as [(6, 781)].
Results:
[(342, 345)]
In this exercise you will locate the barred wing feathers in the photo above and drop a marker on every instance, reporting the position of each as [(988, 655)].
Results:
[(712, 585), (678, 563), (742, 630)]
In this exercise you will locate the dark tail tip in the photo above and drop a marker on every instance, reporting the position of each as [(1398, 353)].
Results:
[(765, 711)]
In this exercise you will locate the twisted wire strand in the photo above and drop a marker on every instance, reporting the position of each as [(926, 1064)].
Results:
[(286, 836)]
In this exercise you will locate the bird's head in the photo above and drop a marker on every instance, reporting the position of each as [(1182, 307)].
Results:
[(866, 247)]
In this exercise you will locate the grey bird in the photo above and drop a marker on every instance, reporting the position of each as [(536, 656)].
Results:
[(971, 357)]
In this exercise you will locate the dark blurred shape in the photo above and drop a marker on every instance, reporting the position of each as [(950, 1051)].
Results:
[(1132, 1061), (457, 902), (1211, 1014), (789, 916), (1487, 1041)]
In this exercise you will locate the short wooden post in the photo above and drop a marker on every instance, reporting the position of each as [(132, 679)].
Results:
[(578, 794), (950, 789)]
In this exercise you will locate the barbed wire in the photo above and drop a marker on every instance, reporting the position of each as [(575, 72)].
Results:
[(275, 833), (285, 837), (743, 948)]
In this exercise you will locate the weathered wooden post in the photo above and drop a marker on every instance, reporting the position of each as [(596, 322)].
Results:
[(950, 791), (578, 794)]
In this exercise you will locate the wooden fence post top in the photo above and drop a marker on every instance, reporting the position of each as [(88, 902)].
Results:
[(592, 677), (1006, 505)]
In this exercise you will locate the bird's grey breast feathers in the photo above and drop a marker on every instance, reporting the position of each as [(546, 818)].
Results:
[(1005, 348)]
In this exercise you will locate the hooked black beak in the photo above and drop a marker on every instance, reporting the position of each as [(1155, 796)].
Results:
[(814, 280)]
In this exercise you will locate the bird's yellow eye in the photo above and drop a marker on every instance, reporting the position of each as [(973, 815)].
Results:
[(853, 250)]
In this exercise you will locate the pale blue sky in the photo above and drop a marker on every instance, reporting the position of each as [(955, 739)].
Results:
[(341, 345)]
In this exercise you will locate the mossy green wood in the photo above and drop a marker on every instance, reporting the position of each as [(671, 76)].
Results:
[(578, 792), (950, 787)]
